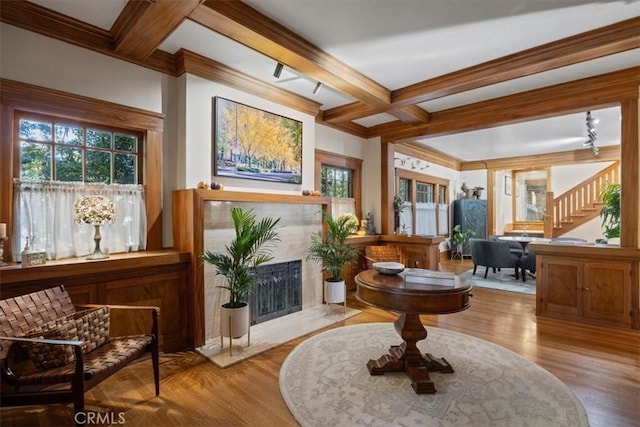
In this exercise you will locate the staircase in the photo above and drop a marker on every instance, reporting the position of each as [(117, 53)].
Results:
[(579, 204)]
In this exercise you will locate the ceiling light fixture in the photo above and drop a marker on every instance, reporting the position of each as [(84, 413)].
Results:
[(317, 88), (278, 71), (592, 135)]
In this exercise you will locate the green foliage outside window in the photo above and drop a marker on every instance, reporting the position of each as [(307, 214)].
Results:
[(336, 182), (74, 153)]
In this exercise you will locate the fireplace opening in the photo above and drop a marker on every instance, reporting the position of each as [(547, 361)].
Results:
[(278, 291)]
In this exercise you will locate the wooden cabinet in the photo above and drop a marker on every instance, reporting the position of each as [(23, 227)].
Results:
[(588, 286), (606, 293)]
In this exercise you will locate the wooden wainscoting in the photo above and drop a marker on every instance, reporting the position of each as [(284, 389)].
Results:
[(141, 278)]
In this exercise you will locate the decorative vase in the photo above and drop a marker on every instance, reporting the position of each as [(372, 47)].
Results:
[(334, 292), (234, 321), (97, 253)]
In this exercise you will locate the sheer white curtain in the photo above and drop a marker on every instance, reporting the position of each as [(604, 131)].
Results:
[(426, 219), (406, 218), (443, 220), (44, 212), (342, 205)]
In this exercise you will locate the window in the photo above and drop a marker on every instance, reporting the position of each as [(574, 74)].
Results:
[(339, 177), (336, 182), (59, 150), (427, 209), (61, 160)]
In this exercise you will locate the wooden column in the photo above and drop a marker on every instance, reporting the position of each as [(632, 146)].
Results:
[(387, 186), (629, 173)]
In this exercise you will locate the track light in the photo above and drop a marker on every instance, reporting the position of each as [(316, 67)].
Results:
[(317, 88), (278, 71), (592, 135)]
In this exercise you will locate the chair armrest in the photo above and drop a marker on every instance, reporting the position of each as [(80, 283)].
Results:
[(43, 341), (120, 307)]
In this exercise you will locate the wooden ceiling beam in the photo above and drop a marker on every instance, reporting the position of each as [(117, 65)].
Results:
[(32, 17), (144, 24), (609, 40), (245, 25), (578, 95)]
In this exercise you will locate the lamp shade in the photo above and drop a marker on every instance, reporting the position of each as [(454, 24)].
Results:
[(94, 210)]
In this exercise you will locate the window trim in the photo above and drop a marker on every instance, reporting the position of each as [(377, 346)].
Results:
[(326, 158), (17, 96), (35, 116), (415, 177)]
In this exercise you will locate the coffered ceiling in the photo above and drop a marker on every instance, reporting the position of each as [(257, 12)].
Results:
[(388, 68)]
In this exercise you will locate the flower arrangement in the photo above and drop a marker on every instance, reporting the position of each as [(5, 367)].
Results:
[(94, 210)]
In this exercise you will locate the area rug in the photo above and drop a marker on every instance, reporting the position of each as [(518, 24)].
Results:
[(267, 335), (324, 382), (504, 280)]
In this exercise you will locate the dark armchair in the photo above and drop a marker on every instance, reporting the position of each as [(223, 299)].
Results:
[(494, 255), (528, 262)]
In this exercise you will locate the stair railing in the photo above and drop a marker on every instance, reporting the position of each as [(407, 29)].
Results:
[(580, 203)]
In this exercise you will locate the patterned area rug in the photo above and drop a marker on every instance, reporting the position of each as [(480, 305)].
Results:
[(504, 280), (324, 382)]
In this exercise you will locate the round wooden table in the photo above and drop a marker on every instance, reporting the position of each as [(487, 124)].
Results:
[(410, 299)]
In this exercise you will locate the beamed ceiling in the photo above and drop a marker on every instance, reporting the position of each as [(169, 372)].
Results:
[(442, 78)]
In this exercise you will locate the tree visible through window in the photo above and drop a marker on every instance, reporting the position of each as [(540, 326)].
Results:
[(336, 182), (56, 150)]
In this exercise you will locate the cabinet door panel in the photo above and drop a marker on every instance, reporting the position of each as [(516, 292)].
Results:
[(414, 256), (561, 293), (607, 292)]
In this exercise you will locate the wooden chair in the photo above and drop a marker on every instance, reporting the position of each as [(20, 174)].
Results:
[(381, 254), (21, 314)]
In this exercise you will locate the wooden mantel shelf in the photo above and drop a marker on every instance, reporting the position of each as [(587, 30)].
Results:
[(243, 196)]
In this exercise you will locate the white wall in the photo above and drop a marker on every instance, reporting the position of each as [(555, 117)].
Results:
[(197, 139), (31, 58)]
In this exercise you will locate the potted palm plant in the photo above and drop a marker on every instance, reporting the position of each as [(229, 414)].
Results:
[(252, 246), (610, 212), (329, 248)]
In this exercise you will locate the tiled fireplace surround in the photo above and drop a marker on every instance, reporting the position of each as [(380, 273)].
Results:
[(297, 223)]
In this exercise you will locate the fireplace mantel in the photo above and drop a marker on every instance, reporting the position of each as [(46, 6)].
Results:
[(189, 225)]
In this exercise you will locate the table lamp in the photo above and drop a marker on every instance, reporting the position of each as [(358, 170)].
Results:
[(96, 211)]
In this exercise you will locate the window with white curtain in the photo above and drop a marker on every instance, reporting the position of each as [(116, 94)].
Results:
[(443, 219), (63, 159), (44, 213), (425, 200), (342, 205)]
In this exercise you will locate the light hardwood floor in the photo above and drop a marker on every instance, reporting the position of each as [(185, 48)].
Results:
[(601, 366)]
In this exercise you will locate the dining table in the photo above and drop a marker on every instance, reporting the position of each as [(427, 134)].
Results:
[(524, 240)]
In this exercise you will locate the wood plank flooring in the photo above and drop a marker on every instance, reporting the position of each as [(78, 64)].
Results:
[(601, 366)]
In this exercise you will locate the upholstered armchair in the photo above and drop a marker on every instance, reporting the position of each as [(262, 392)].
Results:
[(494, 255), (514, 247), (528, 262)]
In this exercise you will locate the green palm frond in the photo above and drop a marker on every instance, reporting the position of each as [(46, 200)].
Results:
[(252, 246)]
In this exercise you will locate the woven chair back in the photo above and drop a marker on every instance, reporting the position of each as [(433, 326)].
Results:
[(384, 253)]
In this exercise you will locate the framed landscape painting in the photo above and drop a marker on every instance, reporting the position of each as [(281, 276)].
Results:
[(255, 144)]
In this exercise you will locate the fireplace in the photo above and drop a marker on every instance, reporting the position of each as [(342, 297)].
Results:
[(278, 291)]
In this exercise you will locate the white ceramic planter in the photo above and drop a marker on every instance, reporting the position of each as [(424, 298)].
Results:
[(334, 292), (234, 322)]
